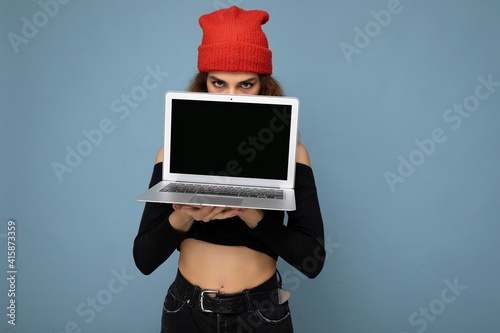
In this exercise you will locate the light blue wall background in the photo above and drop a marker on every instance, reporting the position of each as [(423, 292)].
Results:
[(422, 256)]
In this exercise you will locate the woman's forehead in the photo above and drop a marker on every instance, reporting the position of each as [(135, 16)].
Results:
[(233, 76)]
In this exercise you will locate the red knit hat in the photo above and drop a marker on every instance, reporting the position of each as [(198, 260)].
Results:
[(233, 41)]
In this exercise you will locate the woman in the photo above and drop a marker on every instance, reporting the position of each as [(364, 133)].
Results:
[(220, 286)]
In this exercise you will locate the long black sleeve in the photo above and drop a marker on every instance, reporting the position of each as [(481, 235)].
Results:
[(156, 239), (301, 241)]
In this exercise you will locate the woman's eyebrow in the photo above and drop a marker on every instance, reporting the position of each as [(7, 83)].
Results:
[(215, 78), (249, 80)]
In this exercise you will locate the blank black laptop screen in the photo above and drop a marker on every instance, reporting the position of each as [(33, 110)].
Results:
[(230, 139)]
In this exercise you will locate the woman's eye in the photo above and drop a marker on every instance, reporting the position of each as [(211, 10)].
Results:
[(218, 84), (246, 85)]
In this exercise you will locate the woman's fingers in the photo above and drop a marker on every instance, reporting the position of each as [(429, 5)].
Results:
[(207, 213), (203, 213), (227, 213)]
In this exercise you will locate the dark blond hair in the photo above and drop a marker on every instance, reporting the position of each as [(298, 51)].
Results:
[(269, 86)]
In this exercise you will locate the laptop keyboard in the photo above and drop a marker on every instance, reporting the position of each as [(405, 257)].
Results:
[(234, 191)]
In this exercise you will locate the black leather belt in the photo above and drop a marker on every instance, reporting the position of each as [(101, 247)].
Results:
[(214, 301)]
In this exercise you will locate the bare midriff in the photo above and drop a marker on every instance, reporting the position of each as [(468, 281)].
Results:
[(229, 269)]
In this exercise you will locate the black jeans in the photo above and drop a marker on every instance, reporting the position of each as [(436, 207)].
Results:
[(182, 314)]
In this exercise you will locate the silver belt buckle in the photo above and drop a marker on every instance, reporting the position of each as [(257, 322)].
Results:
[(203, 292)]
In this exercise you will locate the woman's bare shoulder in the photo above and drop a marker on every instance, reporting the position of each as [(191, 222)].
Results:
[(302, 155), (159, 156)]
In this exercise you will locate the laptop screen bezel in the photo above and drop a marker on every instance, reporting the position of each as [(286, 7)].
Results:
[(293, 102)]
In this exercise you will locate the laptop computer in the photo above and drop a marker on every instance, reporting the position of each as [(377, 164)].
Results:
[(228, 150)]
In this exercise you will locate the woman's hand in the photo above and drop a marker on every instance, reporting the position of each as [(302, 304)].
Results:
[(208, 213), (251, 217)]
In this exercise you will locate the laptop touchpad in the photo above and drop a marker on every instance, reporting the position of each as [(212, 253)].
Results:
[(210, 200)]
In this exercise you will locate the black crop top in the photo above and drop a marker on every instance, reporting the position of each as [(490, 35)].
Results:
[(300, 242)]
